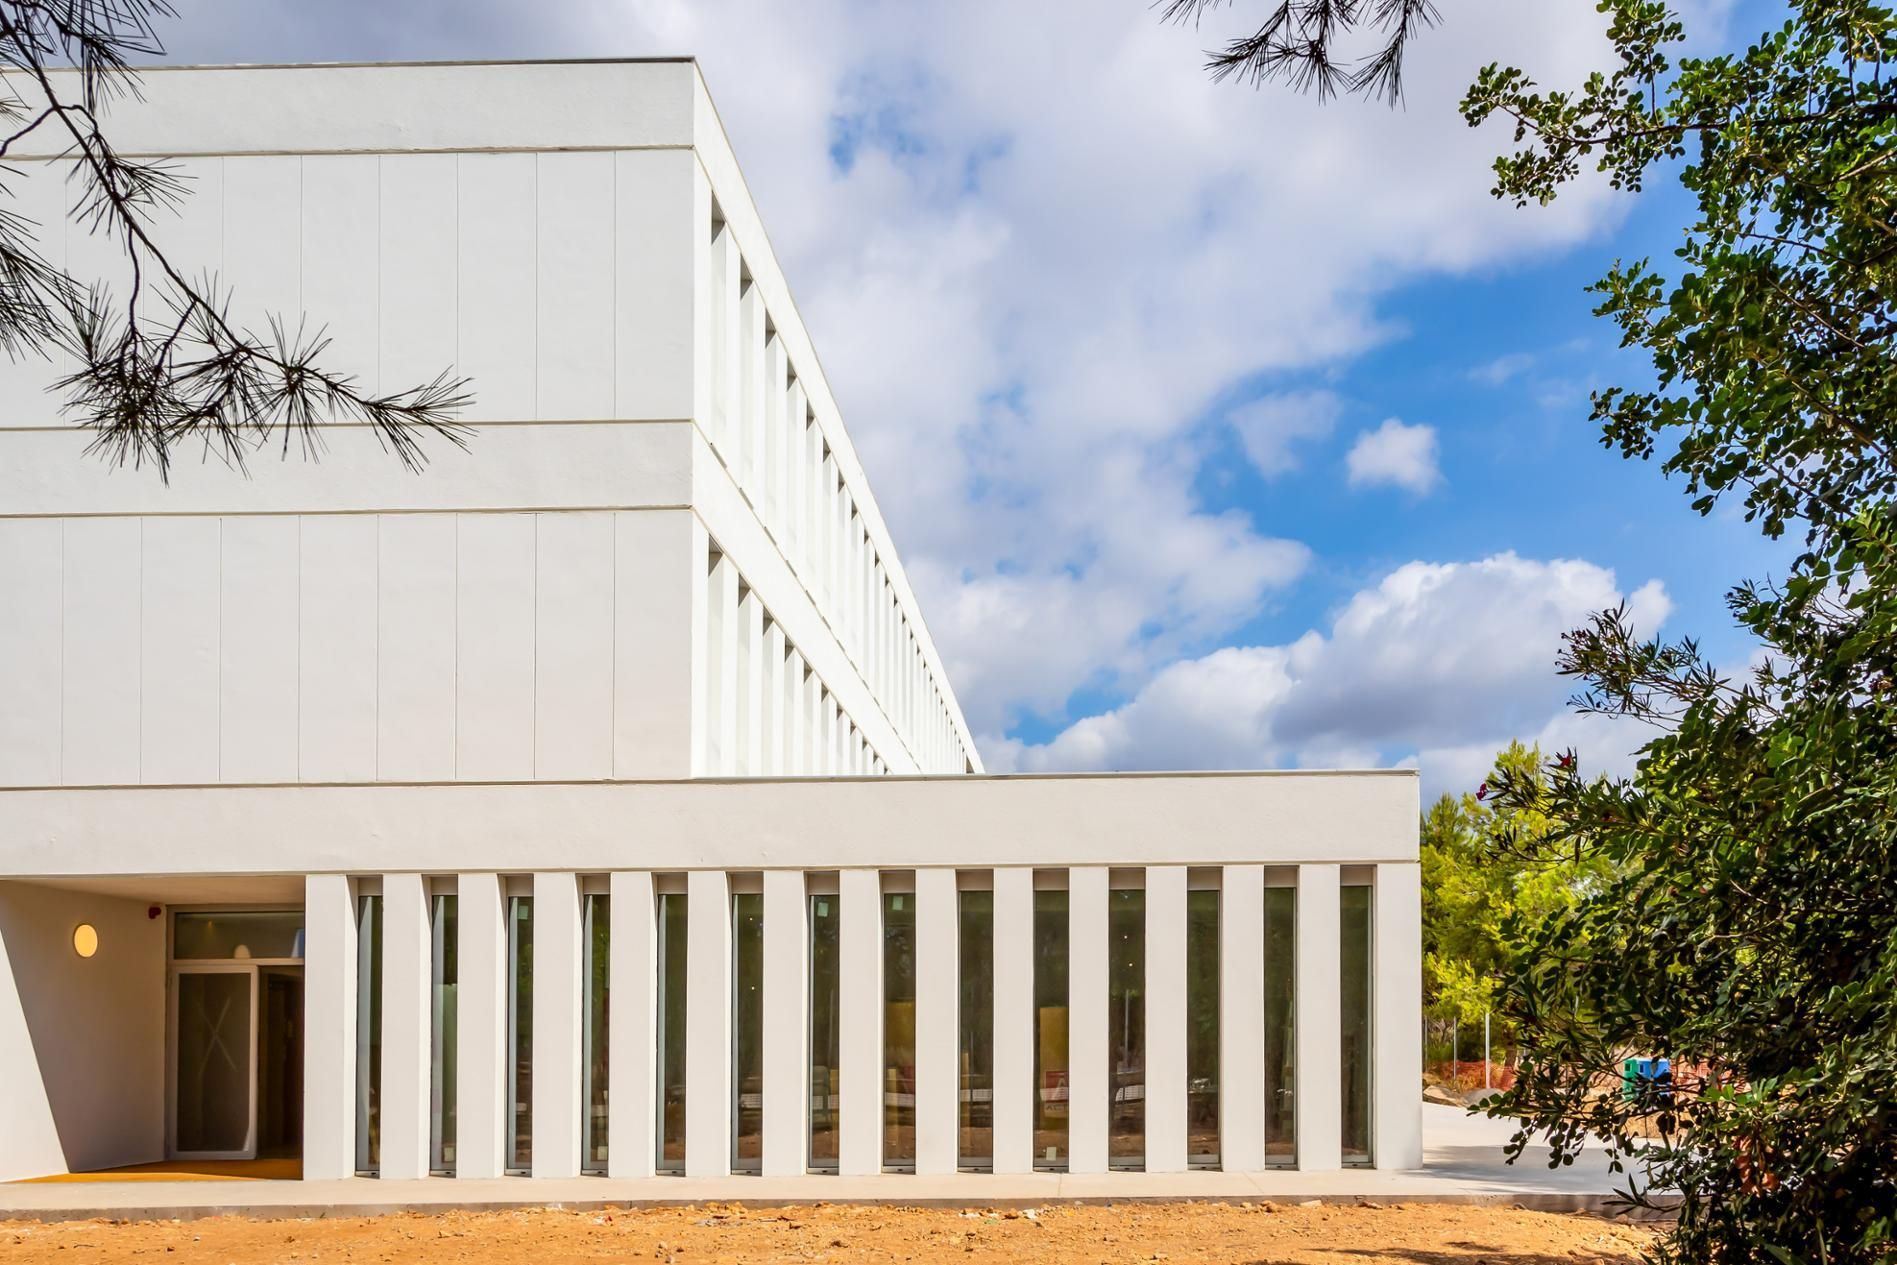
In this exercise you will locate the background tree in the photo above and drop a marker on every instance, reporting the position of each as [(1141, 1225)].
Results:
[(162, 362), (1747, 924), (1471, 895)]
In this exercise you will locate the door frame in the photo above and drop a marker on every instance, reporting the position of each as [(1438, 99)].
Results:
[(211, 967), (176, 966)]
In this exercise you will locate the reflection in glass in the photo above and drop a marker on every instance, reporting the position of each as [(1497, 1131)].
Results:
[(1354, 1052), (237, 934), (671, 1105), (1050, 1022), (747, 1033), (1281, 907), (368, 1034), (443, 973), (1126, 1028), (825, 1034), (899, 1030), (520, 1033), (598, 964), (213, 1109), (976, 1022), (1202, 1028)]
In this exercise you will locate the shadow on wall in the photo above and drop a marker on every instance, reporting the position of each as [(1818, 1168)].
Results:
[(82, 1040)]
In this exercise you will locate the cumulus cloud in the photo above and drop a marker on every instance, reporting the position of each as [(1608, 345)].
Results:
[(1273, 427), (1437, 663), (1037, 247), (1395, 454)]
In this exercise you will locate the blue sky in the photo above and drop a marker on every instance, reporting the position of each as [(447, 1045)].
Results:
[(1215, 428)]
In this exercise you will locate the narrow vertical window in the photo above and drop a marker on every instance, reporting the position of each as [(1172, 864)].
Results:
[(1050, 1029), (1281, 908), (747, 1032), (596, 1030), (671, 1037), (825, 1031), (899, 1030), (1202, 1028), (1126, 1028), (520, 1033), (976, 1021), (444, 973), (1354, 1051), (368, 1034)]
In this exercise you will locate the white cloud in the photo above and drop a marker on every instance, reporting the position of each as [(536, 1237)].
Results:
[(1054, 247), (1440, 663), (1502, 368), (1272, 427), (1395, 454)]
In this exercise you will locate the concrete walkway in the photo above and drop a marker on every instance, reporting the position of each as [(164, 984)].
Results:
[(1462, 1157)]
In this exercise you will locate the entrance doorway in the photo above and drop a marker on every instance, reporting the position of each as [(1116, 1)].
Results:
[(236, 1035)]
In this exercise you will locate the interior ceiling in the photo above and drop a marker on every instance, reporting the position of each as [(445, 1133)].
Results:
[(175, 889)]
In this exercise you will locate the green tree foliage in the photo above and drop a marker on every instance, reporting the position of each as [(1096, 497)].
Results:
[(1746, 926), (1472, 891)]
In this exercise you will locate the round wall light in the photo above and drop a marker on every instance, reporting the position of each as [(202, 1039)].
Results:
[(85, 940)]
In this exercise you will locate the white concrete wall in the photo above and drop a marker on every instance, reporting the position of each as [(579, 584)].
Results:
[(571, 281), (345, 647), (82, 1040), (889, 822)]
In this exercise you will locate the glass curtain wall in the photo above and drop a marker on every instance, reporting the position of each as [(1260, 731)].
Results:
[(1202, 1028), (899, 1030), (368, 1034), (1354, 1052), (1281, 908), (1126, 1028), (596, 1029), (520, 1033), (976, 1023), (1050, 1029), (444, 916), (747, 1032), (825, 1032), (671, 1037)]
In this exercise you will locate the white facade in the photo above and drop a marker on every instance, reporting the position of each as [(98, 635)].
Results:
[(644, 648)]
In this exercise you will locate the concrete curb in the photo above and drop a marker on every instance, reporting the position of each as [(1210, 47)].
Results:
[(1601, 1205)]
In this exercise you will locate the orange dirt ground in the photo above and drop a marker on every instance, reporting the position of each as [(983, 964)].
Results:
[(1238, 1234)]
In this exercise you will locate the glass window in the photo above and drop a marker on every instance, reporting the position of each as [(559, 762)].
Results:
[(1281, 907), (1050, 1044), (1354, 1052), (368, 1034), (825, 1032), (899, 1030), (671, 1053), (444, 972), (237, 934), (213, 1103), (599, 931), (520, 1033), (747, 1034), (1202, 1028), (976, 1020), (1126, 1028)]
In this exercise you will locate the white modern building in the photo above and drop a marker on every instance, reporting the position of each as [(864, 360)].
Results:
[(595, 801)]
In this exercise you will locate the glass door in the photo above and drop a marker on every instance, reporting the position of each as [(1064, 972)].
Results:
[(214, 1109)]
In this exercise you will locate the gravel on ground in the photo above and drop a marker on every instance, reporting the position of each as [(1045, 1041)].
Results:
[(1262, 1233)]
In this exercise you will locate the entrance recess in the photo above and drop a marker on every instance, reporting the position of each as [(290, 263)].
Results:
[(237, 1035)]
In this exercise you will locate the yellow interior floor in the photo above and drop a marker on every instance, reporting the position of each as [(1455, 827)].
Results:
[(189, 1171)]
